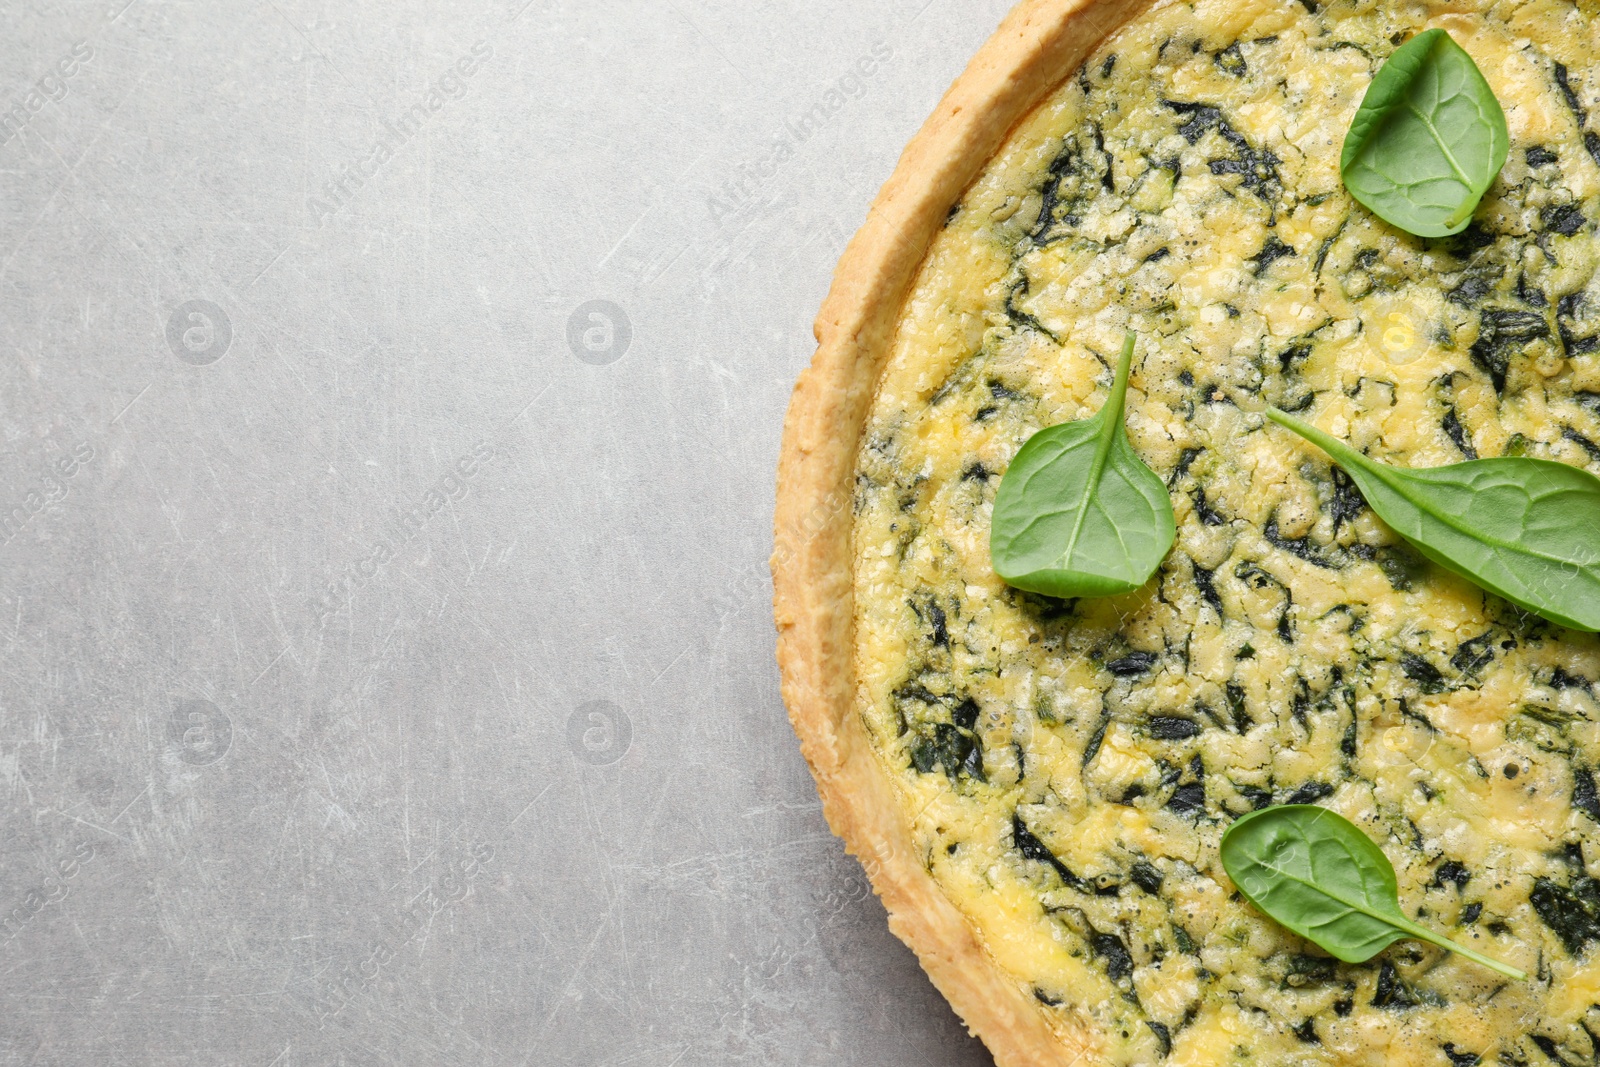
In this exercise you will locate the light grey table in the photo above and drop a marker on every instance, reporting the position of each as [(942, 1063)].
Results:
[(389, 402)]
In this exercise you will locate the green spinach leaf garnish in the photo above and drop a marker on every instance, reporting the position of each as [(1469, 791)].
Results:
[(1525, 529), (1428, 139), (1078, 513), (1315, 872)]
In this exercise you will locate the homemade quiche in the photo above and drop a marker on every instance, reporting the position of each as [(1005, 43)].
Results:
[(1038, 787)]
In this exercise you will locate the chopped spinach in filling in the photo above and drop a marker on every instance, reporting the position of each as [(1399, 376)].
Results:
[(1069, 766)]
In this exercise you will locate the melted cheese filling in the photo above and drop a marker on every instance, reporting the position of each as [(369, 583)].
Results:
[(1068, 767)]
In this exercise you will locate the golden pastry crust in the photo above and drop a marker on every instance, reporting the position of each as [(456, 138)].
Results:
[(1037, 45)]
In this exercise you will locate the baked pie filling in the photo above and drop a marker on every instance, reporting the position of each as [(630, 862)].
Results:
[(1068, 767)]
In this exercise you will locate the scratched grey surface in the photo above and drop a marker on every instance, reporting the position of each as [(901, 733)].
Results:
[(389, 401)]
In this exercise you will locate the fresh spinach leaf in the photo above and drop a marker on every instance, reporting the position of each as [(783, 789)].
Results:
[(1428, 139), (1078, 513), (1315, 872), (1524, 529)]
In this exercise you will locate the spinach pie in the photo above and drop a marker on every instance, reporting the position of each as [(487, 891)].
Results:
[(1039, 785)]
